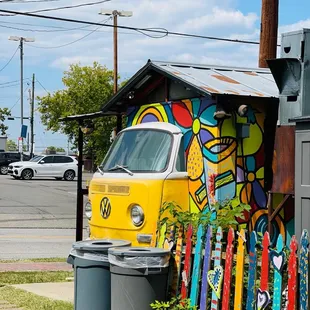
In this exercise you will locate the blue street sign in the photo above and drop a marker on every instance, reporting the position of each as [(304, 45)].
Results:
[(23, 133)]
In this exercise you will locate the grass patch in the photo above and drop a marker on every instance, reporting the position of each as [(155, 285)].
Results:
[(12, 277), (31, 301), (36, 260)]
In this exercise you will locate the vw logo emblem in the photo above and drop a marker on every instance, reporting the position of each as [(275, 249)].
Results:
[(105, 207)]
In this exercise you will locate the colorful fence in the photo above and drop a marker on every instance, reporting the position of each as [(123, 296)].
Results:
[(248, 275)]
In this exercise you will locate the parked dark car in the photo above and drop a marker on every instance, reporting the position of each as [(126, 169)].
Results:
[(7, 158)]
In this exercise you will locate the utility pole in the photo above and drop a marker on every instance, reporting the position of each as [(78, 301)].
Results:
[(269, 31), (32, 117), (115, 15), (115, 52), (21, 47)]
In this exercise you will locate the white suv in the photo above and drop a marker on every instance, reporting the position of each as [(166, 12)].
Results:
[(57, 166)]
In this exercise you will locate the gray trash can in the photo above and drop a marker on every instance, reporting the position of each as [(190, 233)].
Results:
[(139, 276), (92, 279)]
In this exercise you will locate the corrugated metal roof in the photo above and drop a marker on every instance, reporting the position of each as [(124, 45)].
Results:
[(223, 80)]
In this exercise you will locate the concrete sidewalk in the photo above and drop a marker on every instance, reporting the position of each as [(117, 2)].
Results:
[(58, 291)]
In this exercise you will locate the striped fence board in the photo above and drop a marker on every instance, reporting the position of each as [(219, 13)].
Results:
[(214, 262)]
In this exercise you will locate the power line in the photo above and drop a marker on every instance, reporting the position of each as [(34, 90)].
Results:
[(9, 60), (30, 1), (10, 82), (166, 33), (72, 42), (18, 99), (42, 86), (63, 7), (57, 29), (70, 6)]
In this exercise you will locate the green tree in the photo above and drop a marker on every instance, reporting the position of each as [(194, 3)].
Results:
[(87, 88), (11, 146), (4, 112), (60, 149), (51, 148)]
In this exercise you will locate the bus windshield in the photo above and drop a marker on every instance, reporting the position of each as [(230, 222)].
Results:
[(139, 151)]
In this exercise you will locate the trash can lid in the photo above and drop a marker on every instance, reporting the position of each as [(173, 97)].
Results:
[(100, 245), (139, 251)]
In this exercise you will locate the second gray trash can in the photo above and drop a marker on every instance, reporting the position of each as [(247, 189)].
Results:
[(92, 279), (139, 276)]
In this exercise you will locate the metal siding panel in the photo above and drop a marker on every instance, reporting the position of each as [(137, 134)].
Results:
[(305, 172), (230, 81), (302, 192)]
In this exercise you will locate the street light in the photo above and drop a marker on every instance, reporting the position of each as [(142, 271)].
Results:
[(21, 47), (115, 14)]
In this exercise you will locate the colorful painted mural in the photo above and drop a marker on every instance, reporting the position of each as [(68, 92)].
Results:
[(219, 165)]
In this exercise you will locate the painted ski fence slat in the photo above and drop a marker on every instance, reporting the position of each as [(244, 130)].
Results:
[(228, 269), (304, 270), (264, 284), (196, 267), (252, 274), (187, 264), (277, 258), (239, 271), (215, 277), (292, 275), (205, 269)]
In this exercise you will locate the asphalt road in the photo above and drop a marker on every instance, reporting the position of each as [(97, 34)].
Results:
[(37, 217)]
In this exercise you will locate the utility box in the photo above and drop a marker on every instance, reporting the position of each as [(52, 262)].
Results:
[(292, 75)]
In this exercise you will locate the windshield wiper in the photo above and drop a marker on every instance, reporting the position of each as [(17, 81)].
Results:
[(116, 167), (101, 172)]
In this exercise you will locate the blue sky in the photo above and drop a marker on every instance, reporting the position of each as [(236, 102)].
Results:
[(232, 18)]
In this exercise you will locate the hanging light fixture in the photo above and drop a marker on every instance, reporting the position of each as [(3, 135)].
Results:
[(220, 113), (87, 127)]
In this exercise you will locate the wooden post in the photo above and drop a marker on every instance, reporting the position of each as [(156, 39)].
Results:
[(269, 31)]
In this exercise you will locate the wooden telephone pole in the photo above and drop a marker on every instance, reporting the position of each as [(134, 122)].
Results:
[(269, 31)]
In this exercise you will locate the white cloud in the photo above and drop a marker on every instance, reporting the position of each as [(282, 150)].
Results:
[(221, 18), (65, 62), (296, 26)]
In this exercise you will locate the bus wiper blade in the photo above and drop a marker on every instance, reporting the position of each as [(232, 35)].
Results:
[(99, 169), (116, 167)]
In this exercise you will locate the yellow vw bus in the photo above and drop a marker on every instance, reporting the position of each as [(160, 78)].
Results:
[(144, 168)]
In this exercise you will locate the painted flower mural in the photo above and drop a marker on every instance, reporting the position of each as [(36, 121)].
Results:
[(219, 166), (195, 118), (252, 179)]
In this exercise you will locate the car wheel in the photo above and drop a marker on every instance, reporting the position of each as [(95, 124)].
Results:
[(58, 179), (4, 170), (69, 175), (27, 174)]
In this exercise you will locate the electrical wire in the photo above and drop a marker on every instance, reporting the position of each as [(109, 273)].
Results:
[(72, 42), (62, 7), (180, 34), (22, 2), (9, 60), (18, 99), (43, 86), (5, 83), (70, 6), (57, 29)]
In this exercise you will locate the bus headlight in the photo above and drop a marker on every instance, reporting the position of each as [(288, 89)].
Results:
[(88, 210), (137, 215)]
